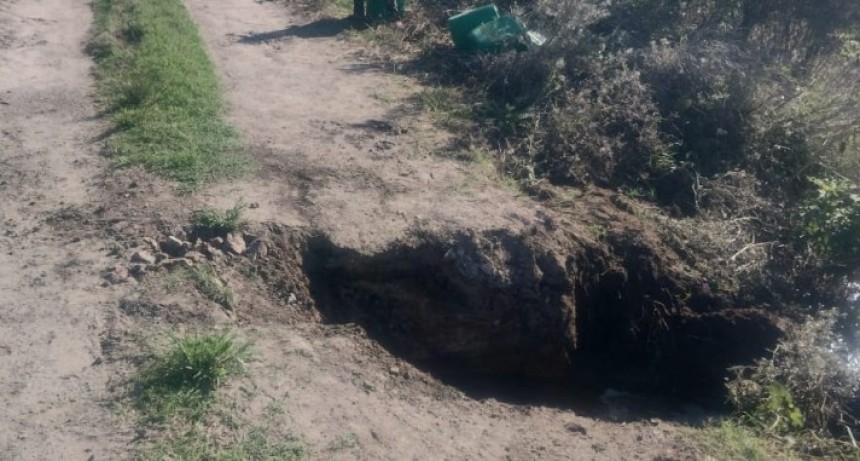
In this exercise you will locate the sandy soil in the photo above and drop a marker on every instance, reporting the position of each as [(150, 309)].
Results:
[(51, 311)]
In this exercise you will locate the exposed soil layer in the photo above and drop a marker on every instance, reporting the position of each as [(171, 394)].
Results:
[(545, 302)]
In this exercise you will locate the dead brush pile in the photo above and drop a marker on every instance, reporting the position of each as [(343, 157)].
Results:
[(740, 115)]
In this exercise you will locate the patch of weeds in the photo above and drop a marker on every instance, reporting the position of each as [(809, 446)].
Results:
[(252, 273), (446, 105), (176, 277), (181, 380), (195, 445), (729, 441), (211, 286), (209, 222), (276, 408), (161, 92), (344, 441)]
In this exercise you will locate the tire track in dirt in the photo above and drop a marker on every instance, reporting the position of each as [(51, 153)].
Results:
[(51, 310)]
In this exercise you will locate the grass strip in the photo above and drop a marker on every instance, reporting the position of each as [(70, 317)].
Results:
[(160, 90)]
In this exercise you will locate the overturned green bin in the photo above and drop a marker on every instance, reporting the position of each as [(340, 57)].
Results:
[(484, 30), (462, 25)]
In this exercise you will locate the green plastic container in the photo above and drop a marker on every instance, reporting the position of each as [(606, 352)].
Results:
[(503, 33), (462, 25)]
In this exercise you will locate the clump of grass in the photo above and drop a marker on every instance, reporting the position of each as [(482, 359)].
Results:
[(728, 440), (210, 222), (255, 445), (211, 286), (182, 379), (161, 92)]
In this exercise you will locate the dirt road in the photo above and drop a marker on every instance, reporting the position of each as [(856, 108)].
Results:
[(51, 309), (339, 148)]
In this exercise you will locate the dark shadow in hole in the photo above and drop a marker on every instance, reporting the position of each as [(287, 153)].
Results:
[(488, 341), (327, 27)]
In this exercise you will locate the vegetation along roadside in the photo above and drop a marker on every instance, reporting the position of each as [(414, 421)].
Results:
[(161, 92)]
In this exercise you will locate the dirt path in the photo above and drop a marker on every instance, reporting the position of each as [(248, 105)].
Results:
[(51, 312), (338, 148), (338, 156)]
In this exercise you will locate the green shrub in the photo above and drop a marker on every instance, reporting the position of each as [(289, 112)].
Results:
[(807, 384), (830, 219)]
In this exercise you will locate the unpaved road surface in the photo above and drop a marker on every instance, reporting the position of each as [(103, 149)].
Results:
[(338, 148), (51, 307)]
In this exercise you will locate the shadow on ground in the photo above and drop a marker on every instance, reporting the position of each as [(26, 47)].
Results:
[(327, 27)]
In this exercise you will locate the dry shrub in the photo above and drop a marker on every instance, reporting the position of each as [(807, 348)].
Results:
[(808, 384)]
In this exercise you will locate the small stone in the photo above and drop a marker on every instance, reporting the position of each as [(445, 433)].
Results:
[(142, 257), (117, 274), (217, 242), (291, 299), (195, 256), (153, 245), (211, 251), (174, 246), (257, 249), (138, 270), (235, 244), (174, 263), (394, 370)]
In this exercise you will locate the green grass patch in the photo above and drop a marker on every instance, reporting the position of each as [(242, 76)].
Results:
[(194, 445), (161, 92), (180, 381), (210, 222)]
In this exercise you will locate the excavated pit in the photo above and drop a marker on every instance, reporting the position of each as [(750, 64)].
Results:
[(544, 310)]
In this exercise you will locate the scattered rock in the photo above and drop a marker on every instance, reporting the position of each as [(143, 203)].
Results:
[(142, 257), (153, 244), (235, 244), (394, 371), (211, 251), (217, 242), (117, 274), (195, 256), (174, 263), (174, 246), (257, 249), (291, 299)]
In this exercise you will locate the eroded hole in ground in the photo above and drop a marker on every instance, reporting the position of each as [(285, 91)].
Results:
[(544, 321)]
